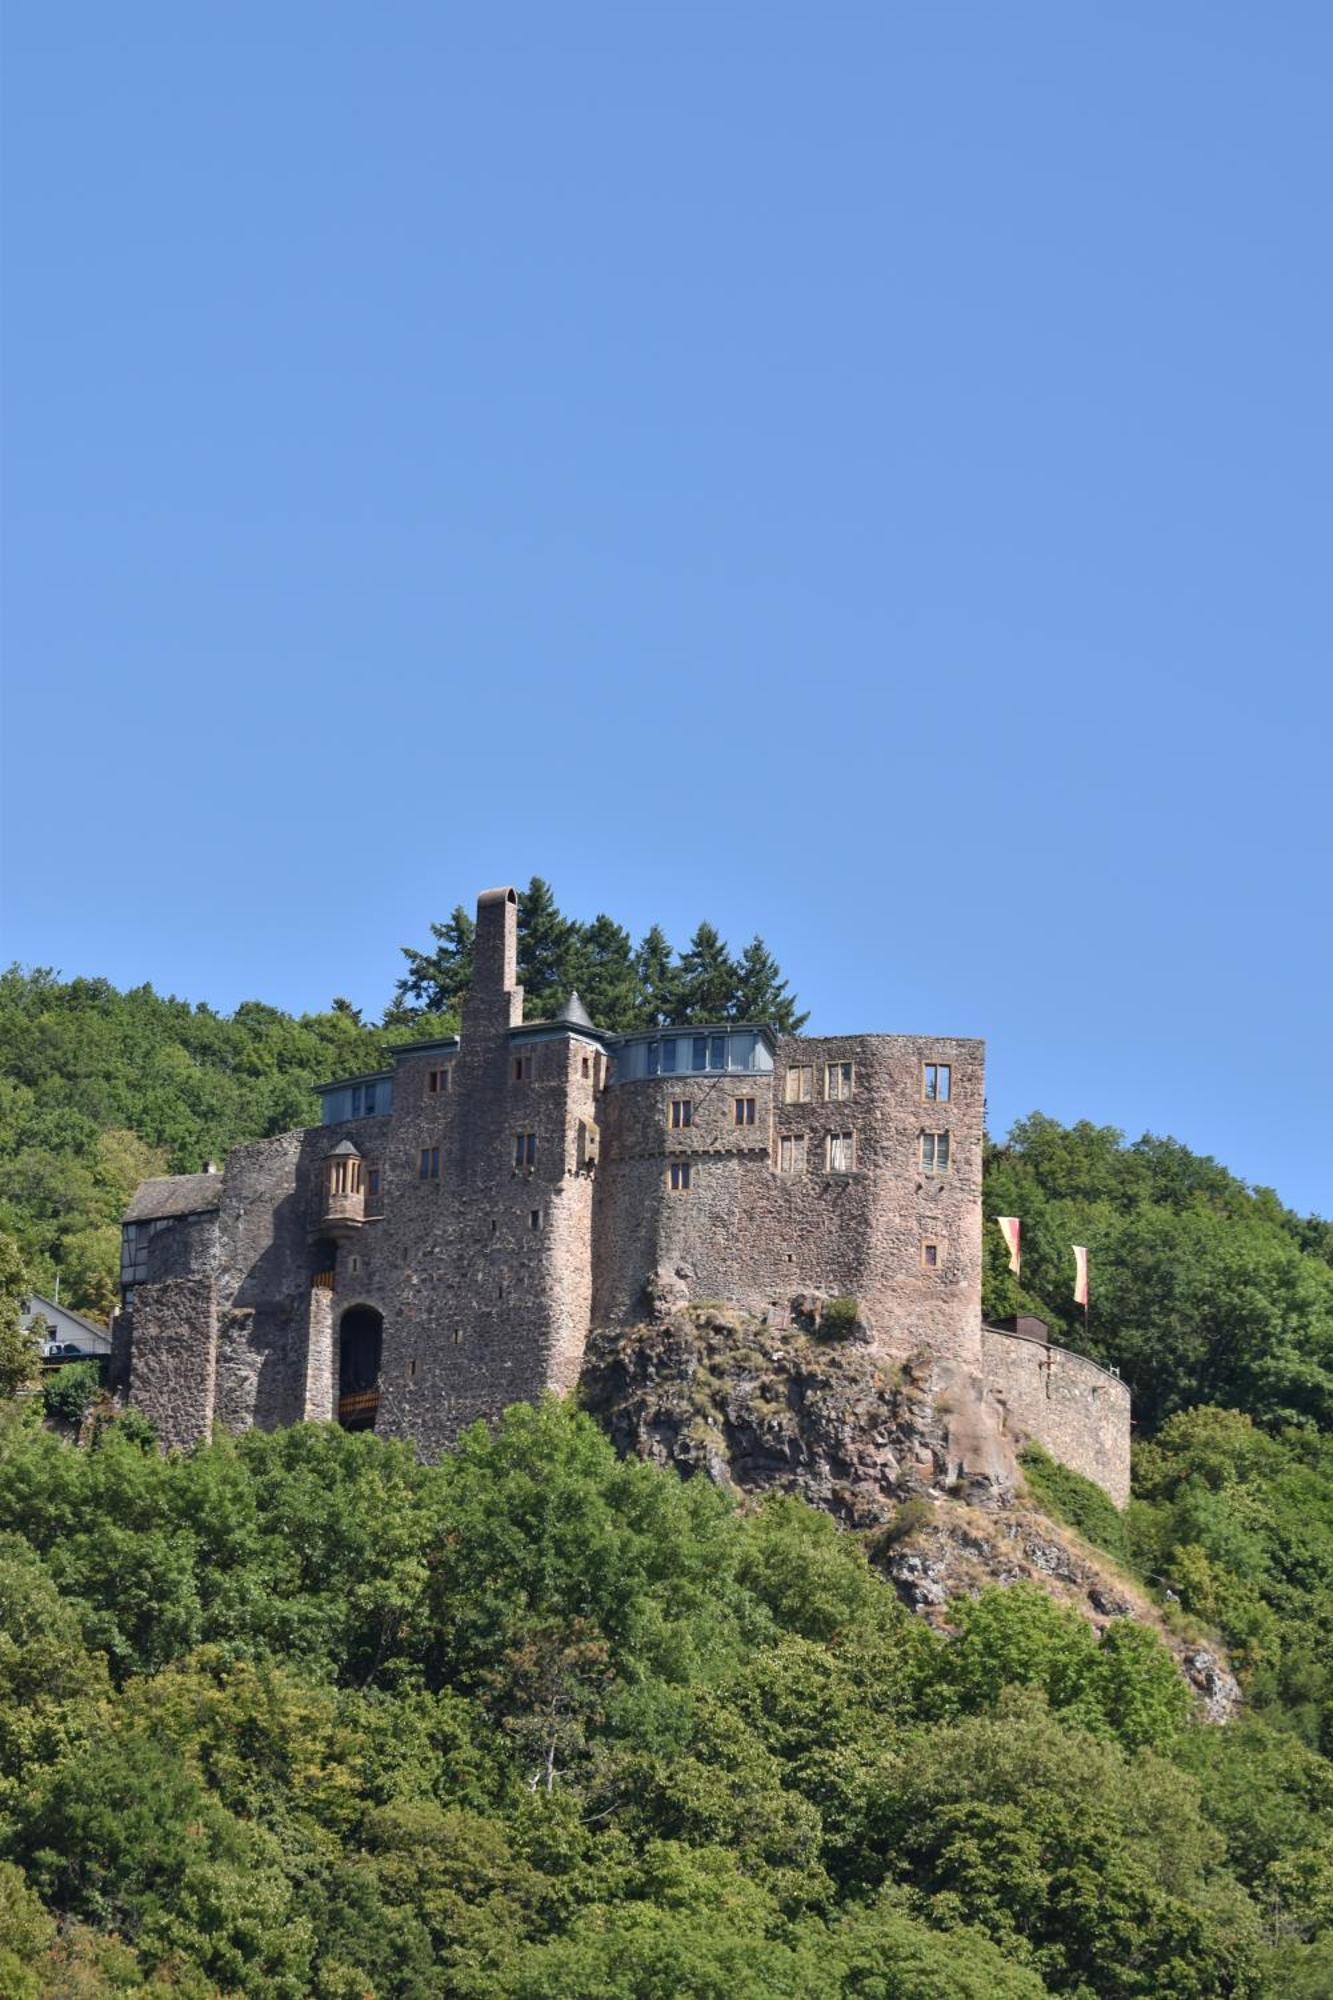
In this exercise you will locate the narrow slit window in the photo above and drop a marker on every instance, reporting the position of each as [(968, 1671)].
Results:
[(930, 1255), (680, 1176), (682, 1114), (745, 1111), (585, 1066), (535, 1219), (937, 1083), (935, 1152)]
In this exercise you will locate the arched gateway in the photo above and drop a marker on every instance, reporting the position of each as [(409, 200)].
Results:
[(360, 1344)]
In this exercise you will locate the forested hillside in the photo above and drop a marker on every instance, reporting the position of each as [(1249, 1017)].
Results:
[(293, 1715)]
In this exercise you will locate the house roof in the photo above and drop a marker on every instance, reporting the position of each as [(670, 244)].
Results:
[(174, 1194), (575, 1013), (344, 1146), (49, 1310)]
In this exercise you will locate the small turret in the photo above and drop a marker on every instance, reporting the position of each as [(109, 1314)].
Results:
[(342, 1193)]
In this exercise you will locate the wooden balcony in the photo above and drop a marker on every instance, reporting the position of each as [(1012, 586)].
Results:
[(357, 1412)]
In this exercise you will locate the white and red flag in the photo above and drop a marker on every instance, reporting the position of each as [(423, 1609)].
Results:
[(1080, 1275), (1011, 1229)]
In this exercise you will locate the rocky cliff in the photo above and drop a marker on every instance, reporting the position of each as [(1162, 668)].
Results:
[(911, 1455)]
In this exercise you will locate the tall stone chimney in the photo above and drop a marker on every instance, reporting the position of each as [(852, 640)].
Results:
[(495, 999)]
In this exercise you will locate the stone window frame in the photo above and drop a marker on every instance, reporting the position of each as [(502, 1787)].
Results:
[(525, 1151), (939, 1070), (428, 1166), (931, 1260), (842, 1094), (798, 1084), (524, 1067), (745, 1110), (793, 1144), (437, 1080), (679, 1176), (930, 1154), (681, 1115), (830, 1139)]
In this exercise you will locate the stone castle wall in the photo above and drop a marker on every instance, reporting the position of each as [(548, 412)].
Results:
[(490, 1275), (749, 1233), (1071, 1406)]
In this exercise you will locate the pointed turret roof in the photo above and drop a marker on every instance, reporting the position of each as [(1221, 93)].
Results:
[(574, 1013)]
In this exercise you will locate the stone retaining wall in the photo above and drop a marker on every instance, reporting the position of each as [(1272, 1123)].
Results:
[(1068, 1404)]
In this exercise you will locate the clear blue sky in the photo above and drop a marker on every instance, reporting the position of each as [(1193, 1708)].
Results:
[(856, 472)]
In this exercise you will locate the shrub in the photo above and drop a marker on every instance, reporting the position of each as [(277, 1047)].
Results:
[(1072, 1498), (72, 1391), (839, 1318)]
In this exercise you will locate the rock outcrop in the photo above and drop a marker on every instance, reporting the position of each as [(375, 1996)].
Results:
[(911, 1455)]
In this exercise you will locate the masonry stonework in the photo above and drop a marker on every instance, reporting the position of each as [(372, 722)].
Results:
[(444, 1243)]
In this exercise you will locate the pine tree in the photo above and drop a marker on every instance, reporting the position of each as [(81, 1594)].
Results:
[(435, 981), (546, 945), (761, 991), (658, 980), (707, 979), (602, 968)]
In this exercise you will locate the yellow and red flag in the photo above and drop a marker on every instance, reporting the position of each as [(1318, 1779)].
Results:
[(1011, 1229), (1080, 1275)]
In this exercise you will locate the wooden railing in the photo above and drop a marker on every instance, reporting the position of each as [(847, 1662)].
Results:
[(364, 1403), (322, 1281)]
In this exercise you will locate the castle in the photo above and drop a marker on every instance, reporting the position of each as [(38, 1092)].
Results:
[(442, 1244)]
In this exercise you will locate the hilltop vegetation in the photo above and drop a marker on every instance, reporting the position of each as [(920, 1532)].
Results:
[(294, 1715)]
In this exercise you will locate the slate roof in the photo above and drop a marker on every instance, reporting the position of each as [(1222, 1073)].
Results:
[(174, 1194)]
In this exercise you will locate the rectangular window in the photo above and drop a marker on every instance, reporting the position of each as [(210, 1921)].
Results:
[(370, 1100), (936, 1083), (654, 1058), (523, 1069), (930, 1256), (373, 1181), (525, 1149), (717, 1052), (429, 1169), (841, 1152), (935, 1152), (745, 1111), (585, 1066), (357, 1096), (680, 1176), (682, 1114), (837, 1081), (699, 1052), (437, 1080), (791, 1153), (668, 1057), (798, 1085), (535, 1219)]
